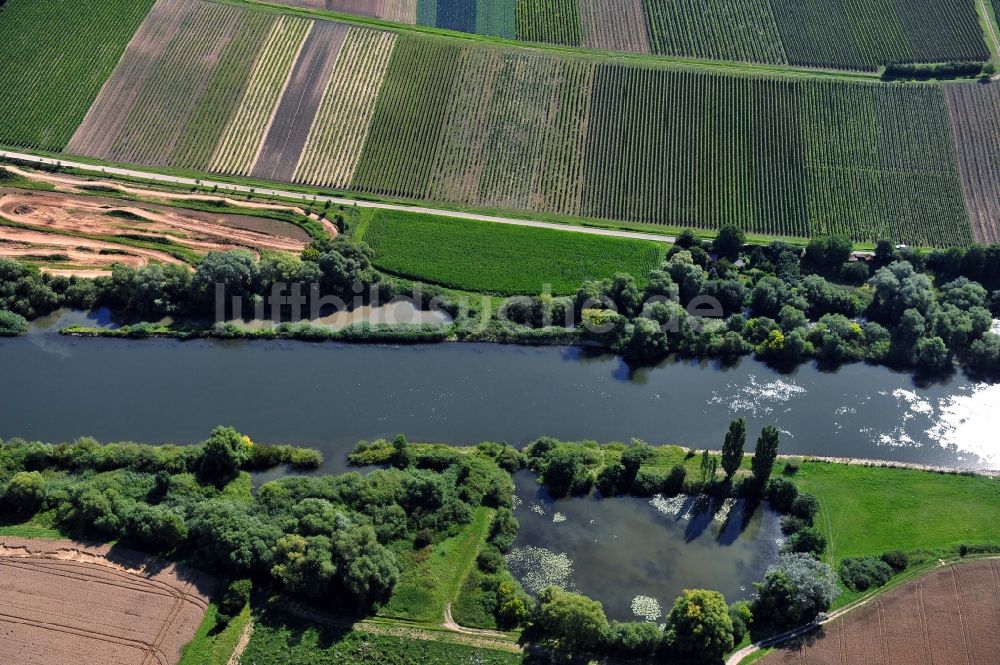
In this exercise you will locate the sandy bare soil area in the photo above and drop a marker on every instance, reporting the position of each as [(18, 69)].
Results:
[(948, 617), (77, 234), (66, 602)]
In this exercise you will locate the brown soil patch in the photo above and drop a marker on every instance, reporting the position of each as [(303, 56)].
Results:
[(74, 184), (950, 616), (66, 602), (49, 214)]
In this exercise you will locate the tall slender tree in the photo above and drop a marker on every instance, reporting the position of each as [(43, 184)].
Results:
[(733, 446), (764, 456)]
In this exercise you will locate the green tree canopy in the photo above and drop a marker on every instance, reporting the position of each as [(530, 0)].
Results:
[(699, 627)]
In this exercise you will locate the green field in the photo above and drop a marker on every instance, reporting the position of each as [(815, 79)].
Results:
[(56, 55), (479, 256), (866, 510)]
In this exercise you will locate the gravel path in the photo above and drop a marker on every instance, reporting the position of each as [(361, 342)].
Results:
[(230, 187)]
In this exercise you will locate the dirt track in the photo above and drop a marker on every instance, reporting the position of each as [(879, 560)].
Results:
[(79, 231), (950, 616), (65, 602)]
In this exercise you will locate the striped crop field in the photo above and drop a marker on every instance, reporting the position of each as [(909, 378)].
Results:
[(880, 163), (540, 134), (975, 117), (340, 130), (398, 156), (212, 86), (841, 34), (49, 77), (241, 140)]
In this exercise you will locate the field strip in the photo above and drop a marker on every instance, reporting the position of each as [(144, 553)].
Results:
[(244, 136), (334, 200), (286, 137), (873, 597)]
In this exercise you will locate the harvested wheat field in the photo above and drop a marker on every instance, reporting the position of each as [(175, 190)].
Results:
[(948, 617), (75, 234), (65, 602)]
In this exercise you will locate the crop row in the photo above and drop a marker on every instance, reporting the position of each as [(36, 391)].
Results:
[(241, 141), (341, 126), (716, 29), (398, 156), (225, 89), (881, 163), (975, 115), (614, 25), (499, 129), (55, 56), (178, 78)]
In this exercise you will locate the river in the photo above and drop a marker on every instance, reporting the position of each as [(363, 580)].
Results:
[(54, 388)]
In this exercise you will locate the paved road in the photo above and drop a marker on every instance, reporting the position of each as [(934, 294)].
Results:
[(262, 191)]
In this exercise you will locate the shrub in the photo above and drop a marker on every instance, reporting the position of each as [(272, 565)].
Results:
[(897, 560), (12, 325), (861, 574), (805, 507), (742, 619), (808, 540), (234, 599), (423, 538), (791, 468), (791, 524), (781, 494), (490, 560)]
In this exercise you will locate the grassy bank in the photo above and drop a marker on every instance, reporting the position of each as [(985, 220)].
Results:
[(214, 643), (476, 256), (282, 640), (433, 576)]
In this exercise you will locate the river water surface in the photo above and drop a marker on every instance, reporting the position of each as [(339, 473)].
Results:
[(55, 388), (630, 553)]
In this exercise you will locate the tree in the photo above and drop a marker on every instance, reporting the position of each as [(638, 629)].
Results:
[(729, 243), (794, 592), (565, 473), (223, 454), (304, 566), (732, 447), (24, 492), (708, 467), (401, 456), (828, 253), (699, 627), (764, 456), (573, 621)]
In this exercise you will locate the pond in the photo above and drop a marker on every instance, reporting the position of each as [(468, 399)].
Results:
[(326, 395), (637, 555)]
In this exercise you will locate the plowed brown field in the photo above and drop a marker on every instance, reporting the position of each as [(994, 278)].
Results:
[(948, 617), (64, 602)]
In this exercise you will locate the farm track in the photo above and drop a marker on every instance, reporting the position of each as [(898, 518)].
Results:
[(311, 198)]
